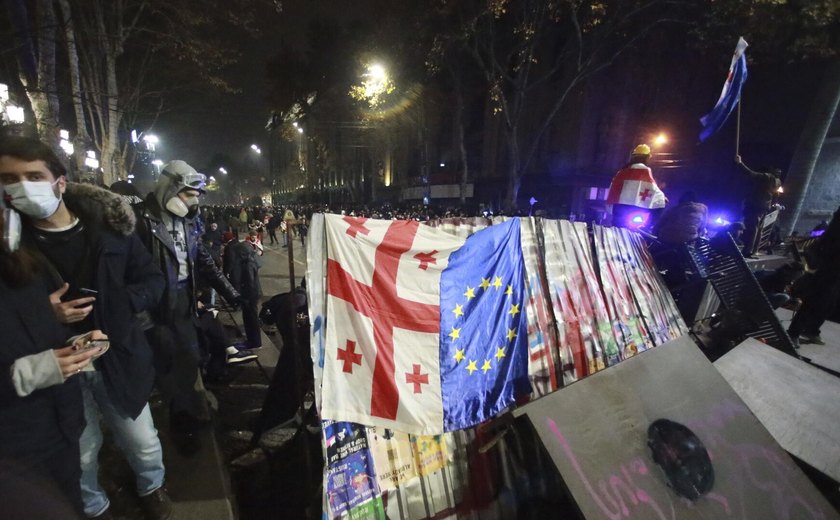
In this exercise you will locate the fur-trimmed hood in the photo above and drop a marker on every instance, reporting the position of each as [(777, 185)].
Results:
[(98, 206)]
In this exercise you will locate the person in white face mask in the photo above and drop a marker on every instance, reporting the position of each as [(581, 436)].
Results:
[(167, 225), (101, 277)]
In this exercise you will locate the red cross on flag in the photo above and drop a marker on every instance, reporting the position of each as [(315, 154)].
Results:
[(634, 186), (382, 344)]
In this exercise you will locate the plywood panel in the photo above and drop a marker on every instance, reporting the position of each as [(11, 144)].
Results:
[(827, 355), (596, 432), (797, 403)]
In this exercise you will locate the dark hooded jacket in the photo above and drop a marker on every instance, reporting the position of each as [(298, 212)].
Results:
[(128, 284), (32, 426), (242, 268), (157, 239)]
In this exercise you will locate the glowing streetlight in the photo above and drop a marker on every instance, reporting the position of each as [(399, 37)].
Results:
[(151, 139), (376, 84), (660, 139), (377, 72), (256, 148), (222, 170), (15, 114), (300, 130), (90, 159), (295, 124), (65, 142)]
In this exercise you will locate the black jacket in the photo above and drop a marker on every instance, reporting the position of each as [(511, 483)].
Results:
[(128, 285), (157, 239), (33, 425), (242, 268)]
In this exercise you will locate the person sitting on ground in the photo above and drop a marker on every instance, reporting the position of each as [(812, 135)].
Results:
[(682, 223), (777, 283), (219, 349)]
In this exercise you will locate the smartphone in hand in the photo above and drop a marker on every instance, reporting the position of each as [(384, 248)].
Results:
[(104, 344)]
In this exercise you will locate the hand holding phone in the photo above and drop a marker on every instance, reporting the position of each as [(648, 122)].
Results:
[(71, 311), (79, 355)]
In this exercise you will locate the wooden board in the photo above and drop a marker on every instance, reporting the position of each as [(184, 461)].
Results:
[(596, 433), (827, 355), (798, 404)]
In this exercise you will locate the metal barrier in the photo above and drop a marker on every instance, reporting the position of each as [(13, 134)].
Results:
[(720, 262)]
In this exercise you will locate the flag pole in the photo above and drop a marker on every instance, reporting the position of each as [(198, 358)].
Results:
[(738, 131)]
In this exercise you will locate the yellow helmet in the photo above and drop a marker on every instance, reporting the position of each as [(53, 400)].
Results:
[(642, 149)]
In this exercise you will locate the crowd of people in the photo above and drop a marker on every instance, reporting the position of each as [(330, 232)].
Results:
[(107, 295)]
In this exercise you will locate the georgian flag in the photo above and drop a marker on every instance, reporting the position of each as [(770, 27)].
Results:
[(635, 186), (425, 331)]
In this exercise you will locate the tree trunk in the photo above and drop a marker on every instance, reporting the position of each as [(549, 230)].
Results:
[(111, 170), (811, 140), (37, 65), (514, 173), (459, 133), (81, 139)]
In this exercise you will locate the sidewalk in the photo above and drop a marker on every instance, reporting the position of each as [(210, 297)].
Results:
[(226, 478)]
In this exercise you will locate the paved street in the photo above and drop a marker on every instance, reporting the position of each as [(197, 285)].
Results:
[(226, 477)]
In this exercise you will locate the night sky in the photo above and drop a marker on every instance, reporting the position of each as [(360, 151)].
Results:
[(197, 129)]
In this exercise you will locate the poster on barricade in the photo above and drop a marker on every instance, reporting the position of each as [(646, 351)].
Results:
[(562, 306), (393, 457), (350, 476)]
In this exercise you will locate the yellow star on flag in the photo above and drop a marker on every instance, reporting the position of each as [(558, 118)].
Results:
[(497, 283), (514, 309), (456, 333), (471, 367), (511, 334), (485, 283), (509, 290), (459, 355), (470, 293), (459, 311), (486, 366), (500, 353)]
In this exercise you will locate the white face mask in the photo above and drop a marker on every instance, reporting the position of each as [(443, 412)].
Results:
[(11, 230), (34, 199), (182, 209)]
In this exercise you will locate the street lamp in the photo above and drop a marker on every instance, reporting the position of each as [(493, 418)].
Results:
[(90, 160), (15, 114), (222, 170), (660, 139), (65, 142), (256, 148)]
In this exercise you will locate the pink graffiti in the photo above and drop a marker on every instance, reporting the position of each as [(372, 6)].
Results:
[(760, 467), (610, 500)]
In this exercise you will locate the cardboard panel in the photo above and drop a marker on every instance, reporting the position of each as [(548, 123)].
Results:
[(596, 433), (797, 403)]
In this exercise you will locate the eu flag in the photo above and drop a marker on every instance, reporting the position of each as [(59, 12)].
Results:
[(483, 329)]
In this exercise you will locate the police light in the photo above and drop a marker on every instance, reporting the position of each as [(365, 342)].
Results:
[(720, 220)]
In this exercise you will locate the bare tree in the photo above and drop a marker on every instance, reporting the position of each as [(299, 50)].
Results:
[(533, 53), (35, 38)]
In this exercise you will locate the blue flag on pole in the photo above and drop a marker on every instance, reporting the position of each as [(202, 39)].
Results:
[(730, 95), (483, 329)]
